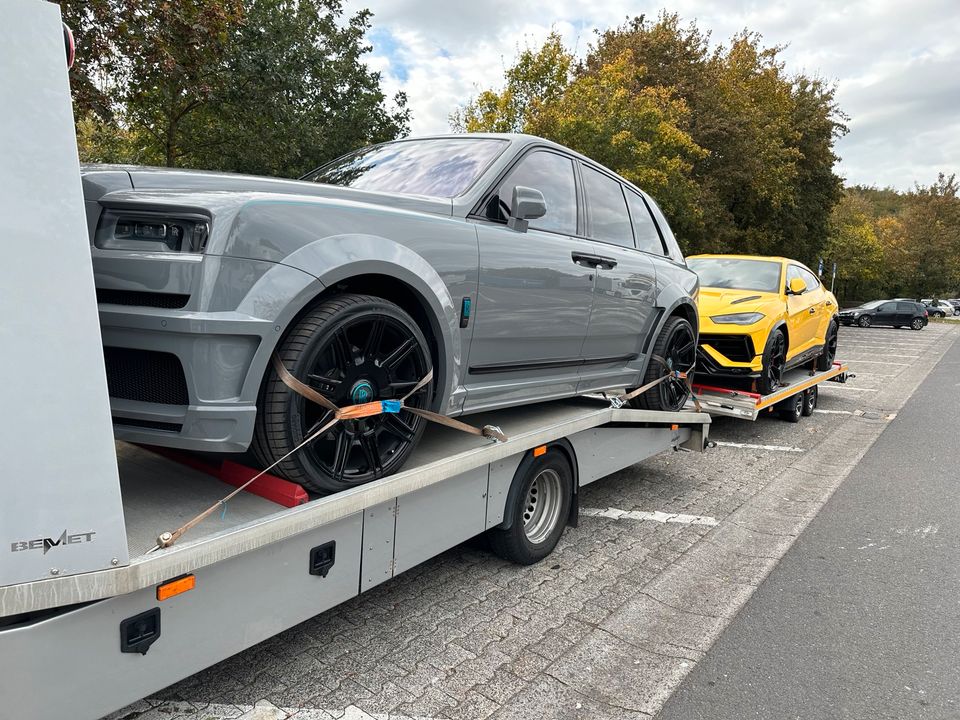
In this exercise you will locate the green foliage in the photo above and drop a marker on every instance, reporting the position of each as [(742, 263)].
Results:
[(738, 151), (272, 87)]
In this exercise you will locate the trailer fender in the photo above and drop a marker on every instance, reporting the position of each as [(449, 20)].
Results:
[(564, 446)]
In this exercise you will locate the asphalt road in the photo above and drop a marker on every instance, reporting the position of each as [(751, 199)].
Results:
[(861, 618)]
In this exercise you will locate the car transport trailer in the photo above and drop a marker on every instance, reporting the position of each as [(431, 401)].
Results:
[(797, 398), (113, 636)]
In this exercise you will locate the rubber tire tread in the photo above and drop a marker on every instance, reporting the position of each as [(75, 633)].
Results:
[(650, 400), (761, 387), (511, 543), (822, 364), (271, 438)]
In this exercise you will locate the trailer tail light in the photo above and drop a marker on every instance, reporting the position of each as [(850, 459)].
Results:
[(538, 451), (176, 587)]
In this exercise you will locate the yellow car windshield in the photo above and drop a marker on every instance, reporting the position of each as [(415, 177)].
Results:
[(736, 273)]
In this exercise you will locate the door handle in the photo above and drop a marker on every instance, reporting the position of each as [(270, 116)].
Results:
[(594, 261)]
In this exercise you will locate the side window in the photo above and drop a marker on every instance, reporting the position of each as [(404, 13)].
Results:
[(792, 272), (810, 279), (609, 220), (887, 308), (644, 229), (906, 307), (673, 249), (552, 175)]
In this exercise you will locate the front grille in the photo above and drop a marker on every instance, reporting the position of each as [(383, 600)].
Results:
[(151, 424), (145, 375), (738, 348), (170, 301)]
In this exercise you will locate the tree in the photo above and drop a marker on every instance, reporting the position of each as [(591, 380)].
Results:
[(856, 249)]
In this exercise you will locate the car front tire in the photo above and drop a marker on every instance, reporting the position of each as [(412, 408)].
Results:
[(774, 361), (351, 349), (864, 321)]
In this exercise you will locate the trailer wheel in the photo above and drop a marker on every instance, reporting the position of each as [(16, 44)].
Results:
[(539, 507), (791, 409), (811, 396)]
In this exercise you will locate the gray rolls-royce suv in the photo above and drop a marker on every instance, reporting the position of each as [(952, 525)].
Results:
[(516, 269)]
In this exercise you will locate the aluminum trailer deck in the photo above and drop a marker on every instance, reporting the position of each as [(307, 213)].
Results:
[(746, 405), (262, 569)]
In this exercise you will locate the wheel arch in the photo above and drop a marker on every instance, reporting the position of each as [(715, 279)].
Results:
[(566, 449)]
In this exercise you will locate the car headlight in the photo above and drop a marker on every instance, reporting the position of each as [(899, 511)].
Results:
[(152, 232), (737, 318)]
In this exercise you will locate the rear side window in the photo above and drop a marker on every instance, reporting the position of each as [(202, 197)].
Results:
[(644, 229), (906, 307), (673, 249), (609, 220), (552, 175)]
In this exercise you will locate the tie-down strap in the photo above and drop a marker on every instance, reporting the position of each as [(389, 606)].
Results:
[(379, 407), (672, 376)]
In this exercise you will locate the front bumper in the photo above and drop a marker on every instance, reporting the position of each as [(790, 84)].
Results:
[(188, 377), (728, 355)]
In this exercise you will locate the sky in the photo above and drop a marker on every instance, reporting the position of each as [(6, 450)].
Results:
[(896, 64)]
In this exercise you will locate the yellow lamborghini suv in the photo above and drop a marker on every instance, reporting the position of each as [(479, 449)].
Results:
[(760, 316)]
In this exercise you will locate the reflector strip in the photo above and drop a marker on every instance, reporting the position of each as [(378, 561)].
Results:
[(176, 587)]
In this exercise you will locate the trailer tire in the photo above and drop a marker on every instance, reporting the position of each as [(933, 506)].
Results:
[(540, 501), (791, 409), (811, 398)]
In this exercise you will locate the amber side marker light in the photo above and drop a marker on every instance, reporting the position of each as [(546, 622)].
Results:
[(538, 451), (674, 427), (176, 587)]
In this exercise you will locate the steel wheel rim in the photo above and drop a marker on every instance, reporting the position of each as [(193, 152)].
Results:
[(541, 510), (680, 355), (373, 356), (812, 399), (778, 359)]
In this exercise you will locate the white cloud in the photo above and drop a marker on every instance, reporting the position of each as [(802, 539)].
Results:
[(896, 65)]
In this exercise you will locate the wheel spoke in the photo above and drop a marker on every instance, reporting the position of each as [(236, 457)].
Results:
[(342, 352), (395, 425), (398, 386), (317, 379), (374, 338), (371, 451), (397, 356), (340, 455)]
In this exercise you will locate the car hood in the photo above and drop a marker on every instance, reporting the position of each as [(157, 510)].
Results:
[(723, 301), (152, 178)]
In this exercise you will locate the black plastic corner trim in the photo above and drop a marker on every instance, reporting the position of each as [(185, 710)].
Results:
[(322, 558), (139, 632)]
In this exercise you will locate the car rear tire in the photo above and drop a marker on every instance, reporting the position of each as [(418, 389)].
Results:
[(811, 398), (540, 507), (774, 361), (916, 324), (791, 409), (351, 349), (677, 345), (939, 315), (826, 358), (864, 321)]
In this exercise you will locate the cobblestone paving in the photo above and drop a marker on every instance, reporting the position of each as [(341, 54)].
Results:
[(467, 635)]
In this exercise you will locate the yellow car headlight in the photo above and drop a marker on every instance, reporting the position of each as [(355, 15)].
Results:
[(737, 318)]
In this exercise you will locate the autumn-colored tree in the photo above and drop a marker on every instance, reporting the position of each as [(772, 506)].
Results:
[(854, 246)]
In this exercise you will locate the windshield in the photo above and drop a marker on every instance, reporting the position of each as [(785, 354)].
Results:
[(437, 167), (762, 275), (872, 304)]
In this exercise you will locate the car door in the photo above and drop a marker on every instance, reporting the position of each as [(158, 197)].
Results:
[(623, 306), (801, 315), (905, 313), (820, 303), (535, 293), (886, 314)]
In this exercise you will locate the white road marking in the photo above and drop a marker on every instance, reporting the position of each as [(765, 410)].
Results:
[(656, 516), (834, 412), (881, 362), (838, 386), (846, 356), (749, 446)]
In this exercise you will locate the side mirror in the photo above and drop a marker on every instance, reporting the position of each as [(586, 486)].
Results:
[(797, 286), (527, 204)]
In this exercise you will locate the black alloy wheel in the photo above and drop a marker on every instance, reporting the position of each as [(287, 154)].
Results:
[(826, 358), (864, 321), (916, 324), (677, 348), (774, 362), (352, 349)]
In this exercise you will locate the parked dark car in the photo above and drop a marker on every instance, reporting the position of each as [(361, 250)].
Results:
[(895, 313), (940, 308), (515, 269)]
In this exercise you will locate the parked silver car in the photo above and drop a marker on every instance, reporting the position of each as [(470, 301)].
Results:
[(516, 269)]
